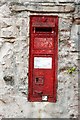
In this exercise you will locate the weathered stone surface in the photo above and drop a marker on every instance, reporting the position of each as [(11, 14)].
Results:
[(10, 40), (9, 32), (4, 11), (20, 24), (41, 7), (6, 22), (64, 35), (5, 50), (77, 1), (74, 37), (69, 8), (77, 21), (66, 1), (1, 42), (65, 24), (77, 12), (45, 1), (40, 1)]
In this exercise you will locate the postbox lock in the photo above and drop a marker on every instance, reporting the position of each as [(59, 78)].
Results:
[(39, 80)]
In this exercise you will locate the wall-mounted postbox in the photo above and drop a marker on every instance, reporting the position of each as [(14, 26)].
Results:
[(43, 55)]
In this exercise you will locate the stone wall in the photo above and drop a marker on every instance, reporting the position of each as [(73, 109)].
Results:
[(14, 53)]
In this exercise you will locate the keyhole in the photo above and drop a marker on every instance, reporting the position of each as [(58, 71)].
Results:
[(37, 79)]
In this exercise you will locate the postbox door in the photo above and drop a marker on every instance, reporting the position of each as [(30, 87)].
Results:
[(43, 76), (43, 60)]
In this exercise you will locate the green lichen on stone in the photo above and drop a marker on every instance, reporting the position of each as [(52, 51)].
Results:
[(71, 70)]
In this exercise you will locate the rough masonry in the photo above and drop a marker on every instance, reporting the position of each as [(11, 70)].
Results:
[(14, 54)]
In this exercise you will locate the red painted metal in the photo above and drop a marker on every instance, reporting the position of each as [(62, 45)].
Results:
[(43, 44)]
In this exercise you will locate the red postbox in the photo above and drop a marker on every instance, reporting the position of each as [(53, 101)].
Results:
[(43, 55)]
